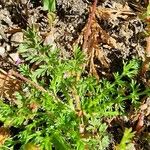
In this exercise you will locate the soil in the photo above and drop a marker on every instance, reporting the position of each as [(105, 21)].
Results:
[(121, 25)]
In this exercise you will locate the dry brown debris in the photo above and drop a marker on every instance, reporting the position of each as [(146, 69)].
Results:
[(93, 35), (8, 85), (11, 82), (4, 134)]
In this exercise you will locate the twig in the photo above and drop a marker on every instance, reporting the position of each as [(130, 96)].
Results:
[(27, 80), (89, 23), (5, 73)]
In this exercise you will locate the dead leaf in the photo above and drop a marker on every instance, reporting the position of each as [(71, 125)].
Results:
[(8, 85), (92, 50), (4, 134)]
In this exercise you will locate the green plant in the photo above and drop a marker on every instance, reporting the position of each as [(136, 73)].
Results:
[(70, 114), (126, 142), (49, 5), (145, 16), (147, 12)]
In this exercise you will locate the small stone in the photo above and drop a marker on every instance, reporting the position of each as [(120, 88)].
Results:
[(24, 1), (2, 51), (14, 56), (17, 38), (49, 40), (144, 106), (1, 37), (8, 48)]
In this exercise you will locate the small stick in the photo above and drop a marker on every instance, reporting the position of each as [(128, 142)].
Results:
[(27, 80), (5, 73), (89, 23)]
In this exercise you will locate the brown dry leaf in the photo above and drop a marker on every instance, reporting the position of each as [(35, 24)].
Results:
[(96, 35), (8, 85), (4, 134), (92, 50)]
